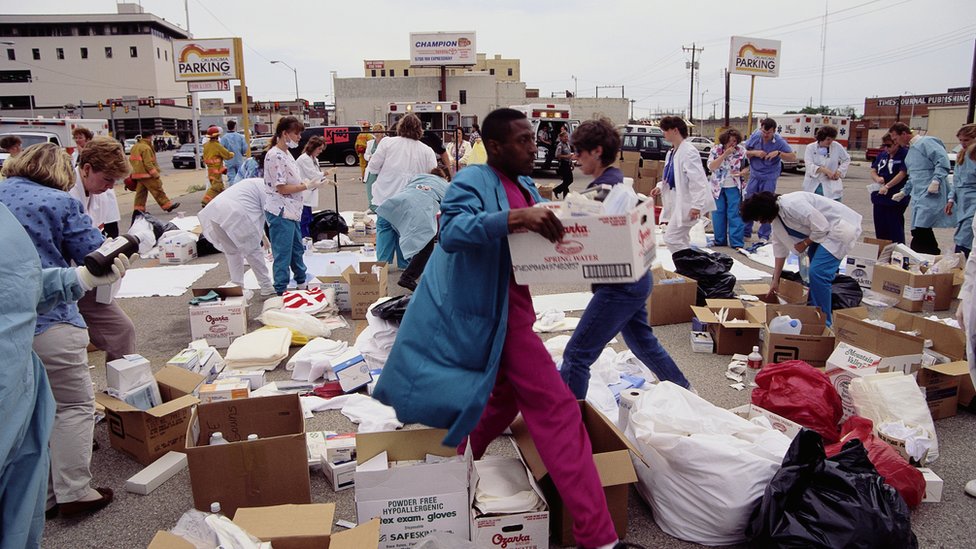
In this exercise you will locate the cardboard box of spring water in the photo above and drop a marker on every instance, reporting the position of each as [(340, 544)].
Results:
[(594, 249)]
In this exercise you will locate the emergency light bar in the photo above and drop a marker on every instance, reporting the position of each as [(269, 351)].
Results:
[(550, 114)]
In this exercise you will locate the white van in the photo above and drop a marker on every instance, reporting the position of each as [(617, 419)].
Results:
[(554, 118)]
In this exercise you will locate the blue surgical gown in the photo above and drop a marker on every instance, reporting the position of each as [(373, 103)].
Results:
[(26, 402), (964, 194), (926, 162)]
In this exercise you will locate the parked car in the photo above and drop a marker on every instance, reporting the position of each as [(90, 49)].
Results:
[(128, 144), (260, 142), (186, 156), (651, 147), (703, 144), (640, 128), (340, 144)]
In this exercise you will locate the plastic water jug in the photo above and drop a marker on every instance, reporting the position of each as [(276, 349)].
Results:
[(785, 325)]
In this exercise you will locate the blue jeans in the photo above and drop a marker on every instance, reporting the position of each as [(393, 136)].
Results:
[(232, 173), (616, 308), (823, 269), (286, 245), (758, 184), (388, 243), (727, 213), (306, 220)]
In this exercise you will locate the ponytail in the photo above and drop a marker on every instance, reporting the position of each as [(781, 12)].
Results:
[(285, 124)]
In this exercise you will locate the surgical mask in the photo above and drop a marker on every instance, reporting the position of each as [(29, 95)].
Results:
[(291, 144)]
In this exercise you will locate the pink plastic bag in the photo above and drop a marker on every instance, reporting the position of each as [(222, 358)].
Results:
[(800, 392)]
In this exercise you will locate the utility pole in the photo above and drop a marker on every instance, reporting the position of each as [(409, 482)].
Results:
[(972, 90), (728, 78), (693, 66), (823, 53)]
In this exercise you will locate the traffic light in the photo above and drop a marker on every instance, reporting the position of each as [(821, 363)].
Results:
[(113, 105), (189, 100), (152, 101), (125, 109), (100, 105)]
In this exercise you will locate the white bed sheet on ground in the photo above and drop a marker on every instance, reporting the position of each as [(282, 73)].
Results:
[(741, 271), (348, 215), (318, 264), (764, 256), (575, 301), (187, 223), (161, 281)]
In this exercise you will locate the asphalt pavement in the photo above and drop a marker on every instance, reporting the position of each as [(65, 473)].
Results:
[(163, 329)]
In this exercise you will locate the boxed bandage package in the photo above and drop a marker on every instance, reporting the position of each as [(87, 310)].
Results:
[(340, 448), (672, 296), (341, 476), (271, 470), (594, 249), (413, 484), (188, 359), (145, 435), (177, 249), (127, 373), (509, 508), (812, 345), (222, 320)]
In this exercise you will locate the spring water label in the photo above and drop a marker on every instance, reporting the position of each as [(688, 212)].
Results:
[(913, 294)]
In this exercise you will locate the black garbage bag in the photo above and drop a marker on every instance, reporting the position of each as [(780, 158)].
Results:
[(326, 225), (392, 309), (205, 247), (158, 227), (815, 502), (710, 270), (845, 293)]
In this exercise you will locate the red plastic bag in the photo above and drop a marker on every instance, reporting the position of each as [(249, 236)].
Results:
[(801, 393), (897, 472)]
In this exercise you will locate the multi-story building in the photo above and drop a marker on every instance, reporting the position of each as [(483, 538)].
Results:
[(881, 112), (504, 70), (60, 65)]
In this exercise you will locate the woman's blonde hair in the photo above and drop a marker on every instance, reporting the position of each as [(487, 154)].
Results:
[(45, 164), (969, 130), (410, 126), (378, 127), (105, 156)]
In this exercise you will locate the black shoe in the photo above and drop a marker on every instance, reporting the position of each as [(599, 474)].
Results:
[(407, 283), (172, 207), (52, 513), (76, 508)]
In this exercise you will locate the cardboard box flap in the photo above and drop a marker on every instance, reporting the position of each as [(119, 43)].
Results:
[(957, 368), (615, 468), (727, 303), (402, 445), (224, 293), (113, 404), (267, 417), (312, 520), (610, 437), (166, 540), (167, 408), (364, 536), (708, 316), (179, 379)]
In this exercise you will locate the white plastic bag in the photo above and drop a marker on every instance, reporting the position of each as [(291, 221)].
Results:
[(621, 198), (142, 230), (884, 398), (302, 323), (706, 467)]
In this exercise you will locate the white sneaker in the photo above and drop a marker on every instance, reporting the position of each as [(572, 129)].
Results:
[(269, 291), (971, 488)]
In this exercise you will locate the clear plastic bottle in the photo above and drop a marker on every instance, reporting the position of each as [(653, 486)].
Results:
[(928, 301), (215, 508), (217, 438), (753, 365)]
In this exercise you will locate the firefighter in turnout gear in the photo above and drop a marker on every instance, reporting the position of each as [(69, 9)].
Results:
[(214, 155), (145, 174)]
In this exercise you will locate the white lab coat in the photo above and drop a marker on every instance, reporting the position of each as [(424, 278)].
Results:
[(396, 161), (691, 191), (827, 222), (836, 159), (239, 211), (308, 168), (968, 307), (101, 208)]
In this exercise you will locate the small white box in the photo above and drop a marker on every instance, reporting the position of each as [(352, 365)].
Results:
[(226, 390), (315, 443), (255, 378), (188, 359), (340, 448), (860, 262), (128, 373), (177, 249), (933, 485), (351, 370), (341, 476), (701, 342), (787, 427), (161, 470)]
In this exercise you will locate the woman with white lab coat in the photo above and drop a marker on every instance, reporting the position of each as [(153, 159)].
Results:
[(234, 223), (826, 165), (684, 190), (965, 315), (806, 222)]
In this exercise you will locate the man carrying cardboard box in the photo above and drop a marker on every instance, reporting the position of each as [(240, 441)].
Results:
[(456, 347)]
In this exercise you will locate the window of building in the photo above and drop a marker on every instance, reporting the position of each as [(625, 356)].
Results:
[(373, 72), (463, 97), (510, 71), (36, 53), (382, 72), (491, 71), (11, 56), (15, 102), (157, 54), (406, 72), (391, 72), (60, 52), (165, 55), (133, 51), (108, 52), (84, 53), (7, 77)]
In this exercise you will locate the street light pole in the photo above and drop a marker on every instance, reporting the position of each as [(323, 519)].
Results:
[(297, 97)]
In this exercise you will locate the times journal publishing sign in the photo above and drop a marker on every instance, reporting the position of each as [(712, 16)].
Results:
[(933, 100)]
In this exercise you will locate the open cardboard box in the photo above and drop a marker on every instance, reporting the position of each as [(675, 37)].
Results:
[(946, 387), (271, 470), (899, 351), (147, 435), (730, 337), (910, 287), (812, 345), (525, 529), (415, 500), (789, 292), (672, 296), (365, 287), (611, 455), (306, 526)]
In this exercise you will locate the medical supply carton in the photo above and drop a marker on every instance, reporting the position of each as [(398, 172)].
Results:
[(812, 345), (910, 287), (672, 296), (736, 332), (222, 321), (366, 286), (524, 529)]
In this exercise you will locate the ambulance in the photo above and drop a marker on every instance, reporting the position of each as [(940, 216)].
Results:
[(440, 116), (32, 131), (799, 130), (553, 117)]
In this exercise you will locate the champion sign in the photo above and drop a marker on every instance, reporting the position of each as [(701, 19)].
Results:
[(442, 48), (754, 56), (204, 60)]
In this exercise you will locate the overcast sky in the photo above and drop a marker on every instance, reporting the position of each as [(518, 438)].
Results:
[(873, 48)]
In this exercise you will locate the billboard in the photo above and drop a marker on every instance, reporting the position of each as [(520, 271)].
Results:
[(435, 49), (754, 56), (207, 59)]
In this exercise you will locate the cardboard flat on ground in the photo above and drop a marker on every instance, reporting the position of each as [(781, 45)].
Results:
[(594, 249), (729, 337), (289, 526), (222, 321), (671, 298), (145, 436), (812, 345), (910, 287), (272, 470), (611, 455)]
